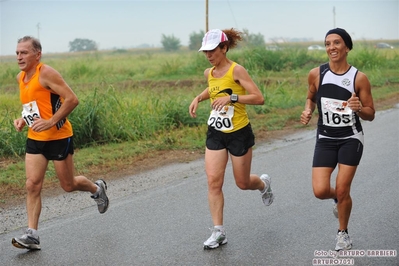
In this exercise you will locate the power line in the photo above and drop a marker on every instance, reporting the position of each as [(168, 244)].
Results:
[(334, 16), (38, 30), (231, 10)]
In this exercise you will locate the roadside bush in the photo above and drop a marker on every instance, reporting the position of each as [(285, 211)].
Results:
[(141, 96)]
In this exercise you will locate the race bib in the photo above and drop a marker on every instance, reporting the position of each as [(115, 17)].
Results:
[(222, 120), (29, 112), (336, 113)]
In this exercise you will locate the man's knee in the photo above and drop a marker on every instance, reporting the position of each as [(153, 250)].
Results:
[(33, 187), (67, 186)]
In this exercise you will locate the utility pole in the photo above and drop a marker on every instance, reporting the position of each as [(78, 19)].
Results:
[(334, 16), (38, 30), (206, 16)]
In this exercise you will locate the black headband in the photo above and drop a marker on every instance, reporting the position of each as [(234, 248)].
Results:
[(344, 35)]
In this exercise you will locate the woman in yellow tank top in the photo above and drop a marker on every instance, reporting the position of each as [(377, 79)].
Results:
[(230, 89)]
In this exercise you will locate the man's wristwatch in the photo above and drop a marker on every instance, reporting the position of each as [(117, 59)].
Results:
[(234, 98)]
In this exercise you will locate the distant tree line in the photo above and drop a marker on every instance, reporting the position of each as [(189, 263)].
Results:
[(171, 43), (79, 45)]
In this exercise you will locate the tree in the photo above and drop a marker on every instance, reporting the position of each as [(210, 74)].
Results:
[(253, 40), (196, 40), (170, 43), (78, 45)]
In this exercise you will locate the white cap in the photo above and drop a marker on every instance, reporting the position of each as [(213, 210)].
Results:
[(212, 39)]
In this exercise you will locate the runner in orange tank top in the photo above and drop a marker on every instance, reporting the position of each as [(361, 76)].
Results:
[(33, 94), (47, 100)]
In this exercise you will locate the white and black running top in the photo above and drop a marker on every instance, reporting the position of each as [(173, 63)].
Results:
[(336, 119)]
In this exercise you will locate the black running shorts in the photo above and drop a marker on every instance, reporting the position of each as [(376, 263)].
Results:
[(329, 152), (237, 142), (52, 150)]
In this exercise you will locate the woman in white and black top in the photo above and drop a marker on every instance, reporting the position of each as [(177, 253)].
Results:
[(342, 95)]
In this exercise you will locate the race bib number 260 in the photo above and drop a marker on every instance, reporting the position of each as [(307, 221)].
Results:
[(336, 113), (30, 111), (222, 120)]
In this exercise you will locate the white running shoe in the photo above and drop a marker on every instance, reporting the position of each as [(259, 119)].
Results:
[(101, 199), (267, 196), (217, 238), (335, 208), (343, 241), (27, 240)]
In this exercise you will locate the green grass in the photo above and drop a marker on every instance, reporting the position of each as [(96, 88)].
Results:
[(134, 103)]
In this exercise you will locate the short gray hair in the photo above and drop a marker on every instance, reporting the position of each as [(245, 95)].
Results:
[(35, 42)]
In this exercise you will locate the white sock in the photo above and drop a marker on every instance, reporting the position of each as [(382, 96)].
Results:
[(34, 232), (219, 227), (264, 189), (97, 191)]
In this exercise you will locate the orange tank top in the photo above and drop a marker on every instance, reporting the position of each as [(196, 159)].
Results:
[(38, 101)]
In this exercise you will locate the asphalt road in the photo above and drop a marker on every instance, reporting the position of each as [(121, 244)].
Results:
[(167, 224)]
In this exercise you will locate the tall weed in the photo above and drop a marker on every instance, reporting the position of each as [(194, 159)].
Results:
[(130, 96)]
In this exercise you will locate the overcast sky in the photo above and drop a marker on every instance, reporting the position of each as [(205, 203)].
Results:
[(130, 23)]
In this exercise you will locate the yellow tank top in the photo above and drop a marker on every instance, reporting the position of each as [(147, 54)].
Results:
[(226, 85), (34, 96)]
